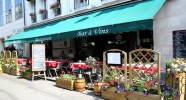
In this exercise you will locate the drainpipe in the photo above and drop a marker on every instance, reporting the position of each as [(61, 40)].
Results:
[(24, 13)]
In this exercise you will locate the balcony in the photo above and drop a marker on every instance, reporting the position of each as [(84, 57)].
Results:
[(33, 17), (43, 13)]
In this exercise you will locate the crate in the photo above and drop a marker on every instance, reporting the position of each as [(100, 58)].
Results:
[(66, 84)]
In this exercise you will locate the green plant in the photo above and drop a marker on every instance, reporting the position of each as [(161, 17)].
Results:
[(91, 60), (23, 70), (67, 76)]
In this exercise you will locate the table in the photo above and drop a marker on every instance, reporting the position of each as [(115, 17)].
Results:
[(51, 64), (78, 65), (62, 61)]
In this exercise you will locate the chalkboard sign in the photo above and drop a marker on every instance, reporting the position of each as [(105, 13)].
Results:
[(179, 44), (38, 57)]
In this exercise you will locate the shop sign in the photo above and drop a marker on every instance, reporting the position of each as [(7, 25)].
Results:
[(43, 39), (97, 31)]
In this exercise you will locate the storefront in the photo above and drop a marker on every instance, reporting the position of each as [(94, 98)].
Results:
[(121, 27)]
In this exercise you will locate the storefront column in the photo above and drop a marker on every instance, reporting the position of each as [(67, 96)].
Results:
[(138, 38)]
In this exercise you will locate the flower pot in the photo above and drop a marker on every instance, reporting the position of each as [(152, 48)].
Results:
[(66, 84), (14, 72), (7, 70), (97, 88), (111, 95), (80, 85), (141, 96)]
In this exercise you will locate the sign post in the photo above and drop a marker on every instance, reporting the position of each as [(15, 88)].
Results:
[(38, 60)]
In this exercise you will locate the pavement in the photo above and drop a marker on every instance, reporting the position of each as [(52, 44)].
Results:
[(16, 88)]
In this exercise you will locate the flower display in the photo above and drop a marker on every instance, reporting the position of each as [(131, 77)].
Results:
[(42, 11), (24, 70), (67, 76), (55, 5), (91, 60), (177, 65)]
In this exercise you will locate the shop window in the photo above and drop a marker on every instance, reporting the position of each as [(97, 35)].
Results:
[(80, 3), (18, 9), (33, 13)]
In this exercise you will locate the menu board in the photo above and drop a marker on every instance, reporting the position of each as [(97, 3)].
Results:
[(38, 57), (114, 58), (179, 44)]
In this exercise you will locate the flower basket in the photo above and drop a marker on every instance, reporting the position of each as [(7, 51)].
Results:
[(42, 11), (55, 5), (141, 96), (7, 69), (66, 84), (111, 95)]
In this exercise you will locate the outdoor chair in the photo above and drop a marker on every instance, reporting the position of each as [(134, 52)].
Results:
[(57, 68)]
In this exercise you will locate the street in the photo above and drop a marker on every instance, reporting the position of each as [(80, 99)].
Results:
[(15, 88)]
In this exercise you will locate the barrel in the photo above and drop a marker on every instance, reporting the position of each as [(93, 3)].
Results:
[(80, 84), (97, 88)]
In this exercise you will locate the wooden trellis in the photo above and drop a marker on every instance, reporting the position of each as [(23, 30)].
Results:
[(145, 63), (115, 73), (7, 57), (2, 54), (14, 57)]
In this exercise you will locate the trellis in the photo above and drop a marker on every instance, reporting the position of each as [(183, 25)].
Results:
[(15, 57), (7, 59), (145, 63), (112, 73)]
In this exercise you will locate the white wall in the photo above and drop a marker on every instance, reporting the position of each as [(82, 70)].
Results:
[(171, 17)]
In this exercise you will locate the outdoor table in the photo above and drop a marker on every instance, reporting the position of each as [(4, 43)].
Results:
[(78, 65), (20, 60), (51, 64), (100, 63)]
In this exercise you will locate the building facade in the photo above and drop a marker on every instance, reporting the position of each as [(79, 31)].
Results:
[(170, 17), (11, 22)]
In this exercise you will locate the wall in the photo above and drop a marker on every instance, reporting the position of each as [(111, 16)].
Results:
[(171, 17)]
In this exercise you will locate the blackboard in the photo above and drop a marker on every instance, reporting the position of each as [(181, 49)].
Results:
[(179, 44), (38, 57)]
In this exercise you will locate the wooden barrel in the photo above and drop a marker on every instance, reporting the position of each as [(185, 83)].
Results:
[(97, 88), (80, 85)]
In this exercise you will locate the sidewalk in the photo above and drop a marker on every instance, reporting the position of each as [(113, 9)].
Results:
[(15, 88)]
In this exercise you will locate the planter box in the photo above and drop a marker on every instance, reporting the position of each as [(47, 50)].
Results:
[(27, 76), (14, 72), (7, 70), (66, 84), (109, 94), (142, 96)]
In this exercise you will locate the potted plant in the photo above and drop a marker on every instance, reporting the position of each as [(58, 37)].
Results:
[(26, 72), (91, 61), (55, 5), (113, 90), (66, 81), (1, 64)]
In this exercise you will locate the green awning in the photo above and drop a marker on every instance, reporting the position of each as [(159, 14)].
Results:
[(129, 17)]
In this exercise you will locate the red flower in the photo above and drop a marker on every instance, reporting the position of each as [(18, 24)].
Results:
[(21, 69), (61, 75), (62, 71), (106, 84), (112, 82)]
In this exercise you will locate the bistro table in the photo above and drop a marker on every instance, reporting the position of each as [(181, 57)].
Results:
[(78, 65)]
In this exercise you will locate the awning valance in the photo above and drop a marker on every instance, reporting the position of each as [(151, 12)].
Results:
[(129, 17)]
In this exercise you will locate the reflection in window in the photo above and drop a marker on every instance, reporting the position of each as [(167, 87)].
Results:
[(18, 9), (1, 12), (8, 11), (80, 3)]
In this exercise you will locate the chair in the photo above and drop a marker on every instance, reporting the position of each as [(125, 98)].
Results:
[(57, 68)]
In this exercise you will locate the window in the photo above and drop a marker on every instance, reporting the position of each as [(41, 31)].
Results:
[(18, 9), (8, 11), (1, 12), (33, 11), (80, 3), (44, 12)]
